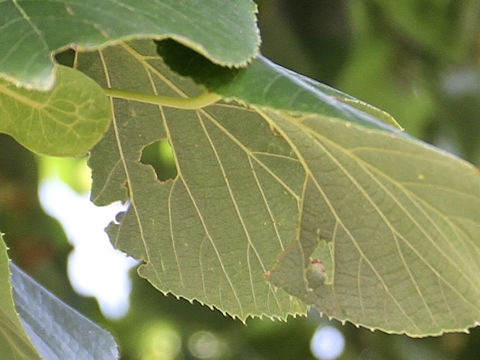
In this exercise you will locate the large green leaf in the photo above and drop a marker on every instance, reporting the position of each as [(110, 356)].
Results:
[(67, 120), (58, 331), (403, 220), (14, 342), (395, 221), (31, 31), (212, 232)]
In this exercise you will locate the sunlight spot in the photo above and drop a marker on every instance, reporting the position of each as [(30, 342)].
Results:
[(205, 345), (94, 267), (327, 343), (160, 342)]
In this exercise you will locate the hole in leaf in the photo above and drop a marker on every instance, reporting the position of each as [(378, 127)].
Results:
[(66, 57), (160, 156)]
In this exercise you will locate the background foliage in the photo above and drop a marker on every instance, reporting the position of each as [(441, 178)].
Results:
[(418, 60)]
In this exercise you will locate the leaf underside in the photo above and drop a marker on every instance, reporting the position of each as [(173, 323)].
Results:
[(401, 218), (213, 232), (32, 30), (404, 226), (259, 191)]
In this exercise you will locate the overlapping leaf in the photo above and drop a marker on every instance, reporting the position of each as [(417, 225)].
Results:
[(400, 218), (14, 342), (32, 30), (266, 84), (213, 232), (66, 121)]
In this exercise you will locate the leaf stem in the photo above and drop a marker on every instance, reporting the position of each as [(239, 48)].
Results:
[(193, 103)]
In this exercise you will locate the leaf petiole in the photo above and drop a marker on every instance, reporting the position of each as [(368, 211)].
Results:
[(193, 103)]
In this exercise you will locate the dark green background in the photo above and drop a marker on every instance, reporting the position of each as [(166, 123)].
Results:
[(417, 59)]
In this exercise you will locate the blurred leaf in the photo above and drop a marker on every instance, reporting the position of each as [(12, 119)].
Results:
[(72, 171), (57, 330), (66, 121), (33, 30), (427, 23), (400, 88), (460, 109), (416, 350), (14, 342)]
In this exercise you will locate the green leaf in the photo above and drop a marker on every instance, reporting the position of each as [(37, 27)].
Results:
[(33, 30), (14, 342), (57, 330), (266, 84), (212, 232), (395, 221), (404, 220), (66, 121)]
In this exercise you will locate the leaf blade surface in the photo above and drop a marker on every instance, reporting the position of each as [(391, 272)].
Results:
[(200, 234), (368, 198), (226, 34), (403, 223), (399, 219)]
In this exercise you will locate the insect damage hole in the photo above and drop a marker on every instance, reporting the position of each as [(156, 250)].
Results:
[(160, 156)]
